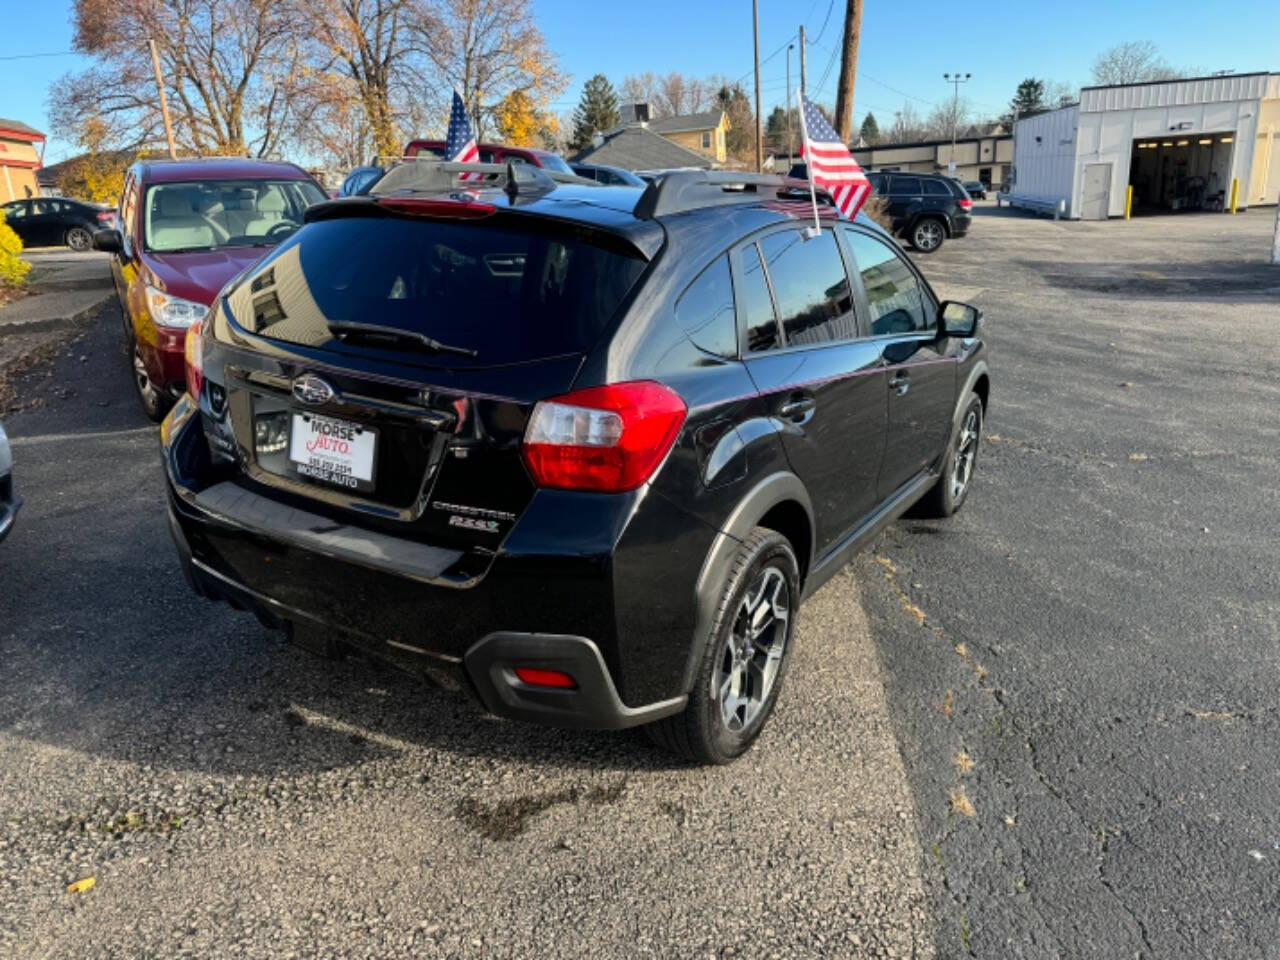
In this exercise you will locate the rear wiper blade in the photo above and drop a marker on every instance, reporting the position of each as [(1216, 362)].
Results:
[(375, 331)]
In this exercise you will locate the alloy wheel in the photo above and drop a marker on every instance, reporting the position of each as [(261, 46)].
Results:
[(78, 238), (928, 235), (142, 380), (966, 453), (753, 650)]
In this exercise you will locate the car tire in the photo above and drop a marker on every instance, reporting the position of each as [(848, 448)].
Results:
[(80, 239), (928, 234), (151, 398), (745, 657), (958, 463)]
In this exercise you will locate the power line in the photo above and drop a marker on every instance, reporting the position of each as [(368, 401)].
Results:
[(33, 56), (766, 59), (825, 21)]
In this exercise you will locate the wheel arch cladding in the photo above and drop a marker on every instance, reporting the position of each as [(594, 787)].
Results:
[(790, 519), (982, 387)]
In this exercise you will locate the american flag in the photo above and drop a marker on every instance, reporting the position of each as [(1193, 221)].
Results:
[(830, 163), (460, 145)]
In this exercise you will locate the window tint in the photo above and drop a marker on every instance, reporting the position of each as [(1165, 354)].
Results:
[(510, 294), (936, 188), (705, 311), (550, 161), (893, 292), (16, 211), (904, 186), (877, 182), (810, 287), (755, 303)]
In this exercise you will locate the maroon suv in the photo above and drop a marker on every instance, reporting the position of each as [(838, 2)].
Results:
[(186, 227), (497, 153)]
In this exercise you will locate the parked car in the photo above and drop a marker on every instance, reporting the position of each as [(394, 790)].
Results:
[(976, 189), (609, 176), (10, 502), (360, 180), (926, 208), (496, 153), (56, 221), (584, 448), (186, 228)]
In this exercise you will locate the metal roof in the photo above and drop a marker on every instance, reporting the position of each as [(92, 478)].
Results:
[(1175, 93)]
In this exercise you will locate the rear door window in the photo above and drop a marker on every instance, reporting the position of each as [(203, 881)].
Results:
[(755, 304), (894, 296), (705, 310), (904, 186), (810, 287), (509, 294), (936, 188)]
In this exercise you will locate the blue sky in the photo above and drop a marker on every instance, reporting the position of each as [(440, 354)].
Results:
[(904, 51)]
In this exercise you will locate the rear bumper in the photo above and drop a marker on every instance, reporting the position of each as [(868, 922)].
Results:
[(165, 360), (960, 225), (544, 599)]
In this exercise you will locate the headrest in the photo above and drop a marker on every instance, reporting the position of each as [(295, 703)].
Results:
[(244, 199), (173, 203), (271, 201)]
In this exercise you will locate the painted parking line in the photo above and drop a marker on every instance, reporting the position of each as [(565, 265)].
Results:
[(40, 439)]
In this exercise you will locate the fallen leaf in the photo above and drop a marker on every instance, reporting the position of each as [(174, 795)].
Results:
[(963, 762), (948, 704), (80, 886), (1126, 384), (994, 438), (1010, 820), (961, 803), (1137, 456)]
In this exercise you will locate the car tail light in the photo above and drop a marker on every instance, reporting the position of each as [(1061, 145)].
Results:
[(536, 677), (435, 207), (106, 215), (193, 354), (966, 203), (608, 439)]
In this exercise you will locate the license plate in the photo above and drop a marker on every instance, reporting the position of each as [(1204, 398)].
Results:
[(332, 451)]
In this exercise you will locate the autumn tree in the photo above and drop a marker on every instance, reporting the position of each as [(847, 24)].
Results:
[(740, 140), (521, 124), (597, 110), (227, 67), (491, 49)]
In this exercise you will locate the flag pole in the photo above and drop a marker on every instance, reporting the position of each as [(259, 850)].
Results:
[(808, 159)]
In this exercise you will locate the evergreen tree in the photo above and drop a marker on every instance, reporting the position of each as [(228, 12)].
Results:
[(597, 110), (869, 132), (1028, 99)]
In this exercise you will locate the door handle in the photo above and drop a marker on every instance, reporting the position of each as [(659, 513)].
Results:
[(797, 407), (900, 383)]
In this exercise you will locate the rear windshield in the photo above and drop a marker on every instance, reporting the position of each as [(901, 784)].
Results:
[(507, 294)]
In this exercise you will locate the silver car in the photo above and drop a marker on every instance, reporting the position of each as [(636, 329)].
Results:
[(9, 499)]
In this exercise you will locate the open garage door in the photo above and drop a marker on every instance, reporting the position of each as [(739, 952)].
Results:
[(1181, 173)]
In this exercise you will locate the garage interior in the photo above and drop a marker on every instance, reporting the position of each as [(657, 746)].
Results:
[(1181, 172)]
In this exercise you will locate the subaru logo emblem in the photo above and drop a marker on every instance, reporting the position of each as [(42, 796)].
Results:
[(311, 390)]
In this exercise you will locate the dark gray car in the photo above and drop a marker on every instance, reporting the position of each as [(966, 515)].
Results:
[(9, 499)]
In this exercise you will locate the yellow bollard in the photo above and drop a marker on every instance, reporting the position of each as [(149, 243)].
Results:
[(1128, 201), (1235, 189)]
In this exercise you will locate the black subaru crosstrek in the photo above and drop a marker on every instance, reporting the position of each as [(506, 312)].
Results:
[(584, 449)]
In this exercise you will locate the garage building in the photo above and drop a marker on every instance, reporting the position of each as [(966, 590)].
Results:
[(1182, 145)]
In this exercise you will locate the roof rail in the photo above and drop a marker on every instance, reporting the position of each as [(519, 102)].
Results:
[(682, 190), (423, 175)]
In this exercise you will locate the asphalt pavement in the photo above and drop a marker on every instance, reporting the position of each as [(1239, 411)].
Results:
[(1090, 650), (232, 796)]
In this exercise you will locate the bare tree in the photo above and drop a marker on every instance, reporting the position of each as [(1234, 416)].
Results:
[(1133, 62), (227, 66), (491, 49), (639, 88), (907, 126), (948, 114)]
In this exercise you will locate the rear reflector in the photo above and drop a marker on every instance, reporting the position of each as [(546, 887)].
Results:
[(545, 678), (608, 439), (193, 355)]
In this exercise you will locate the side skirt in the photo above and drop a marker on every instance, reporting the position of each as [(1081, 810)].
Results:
[(834, 560)]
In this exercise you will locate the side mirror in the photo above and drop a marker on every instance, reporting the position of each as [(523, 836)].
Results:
[(108, 241), (956, 319)]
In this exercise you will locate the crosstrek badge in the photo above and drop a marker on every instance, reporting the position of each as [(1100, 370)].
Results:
[(332, 451)]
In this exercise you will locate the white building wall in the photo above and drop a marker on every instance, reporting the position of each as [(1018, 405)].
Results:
[(1044, 153)]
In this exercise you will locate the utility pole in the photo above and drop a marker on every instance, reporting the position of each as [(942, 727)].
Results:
[(802, 88), (955, 79), (790, 142), (755, 32), (848, 69), (164, 102)]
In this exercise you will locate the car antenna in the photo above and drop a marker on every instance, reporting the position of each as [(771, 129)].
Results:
[(512, 188)]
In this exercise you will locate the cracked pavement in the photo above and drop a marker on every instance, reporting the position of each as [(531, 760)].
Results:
[(1098, 630)]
